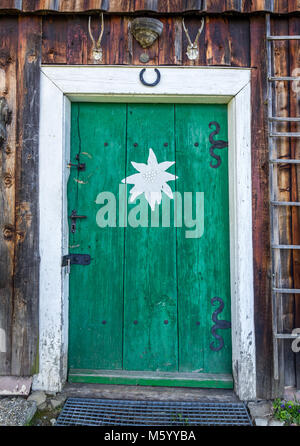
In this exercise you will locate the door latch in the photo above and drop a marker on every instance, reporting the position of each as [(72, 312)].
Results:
[(73, 218)]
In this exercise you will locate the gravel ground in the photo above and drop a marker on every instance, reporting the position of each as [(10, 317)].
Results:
[(16, 411)]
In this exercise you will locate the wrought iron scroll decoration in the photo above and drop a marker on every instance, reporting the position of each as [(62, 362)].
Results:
[(148, 84), (218, 324), (97, 50), (216, 144)]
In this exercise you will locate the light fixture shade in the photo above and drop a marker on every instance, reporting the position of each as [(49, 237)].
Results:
[(146, 30)]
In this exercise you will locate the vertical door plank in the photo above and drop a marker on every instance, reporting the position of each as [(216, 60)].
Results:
[(203, 263), (150, 312), (96, 291)]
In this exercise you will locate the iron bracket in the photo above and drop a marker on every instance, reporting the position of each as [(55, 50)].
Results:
[(76, 259)]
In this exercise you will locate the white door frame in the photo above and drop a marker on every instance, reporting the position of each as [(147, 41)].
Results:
[(62, 84)]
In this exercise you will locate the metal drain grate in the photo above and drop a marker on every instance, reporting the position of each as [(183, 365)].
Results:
[(104, 412)]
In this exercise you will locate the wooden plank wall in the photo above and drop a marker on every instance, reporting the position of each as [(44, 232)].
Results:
[(152, 6), (20, 57), (227, 40)]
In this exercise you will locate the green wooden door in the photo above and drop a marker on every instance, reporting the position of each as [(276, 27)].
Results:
[(153, 306)]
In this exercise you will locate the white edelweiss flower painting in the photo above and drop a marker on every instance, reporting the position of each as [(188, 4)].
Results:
[(151, 180)]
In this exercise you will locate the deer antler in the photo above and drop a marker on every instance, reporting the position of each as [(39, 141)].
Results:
[(192, 49), (193, 45), (97, 44)]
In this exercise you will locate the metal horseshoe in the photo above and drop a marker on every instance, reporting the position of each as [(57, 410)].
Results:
[(147, 83)]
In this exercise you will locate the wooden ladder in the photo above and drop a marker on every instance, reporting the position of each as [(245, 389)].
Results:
[(278, 292)]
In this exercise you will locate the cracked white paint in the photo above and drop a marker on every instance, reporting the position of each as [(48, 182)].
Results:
[(2, 81)]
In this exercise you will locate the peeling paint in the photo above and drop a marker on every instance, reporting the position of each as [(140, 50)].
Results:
[(2, 81), (80, 181), (2, 341), (87, 154)]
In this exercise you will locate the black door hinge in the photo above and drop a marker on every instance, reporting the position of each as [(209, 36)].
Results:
[(76, 259)]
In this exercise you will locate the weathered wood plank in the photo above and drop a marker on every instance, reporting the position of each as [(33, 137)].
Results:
[(166, 43), (11, 5), (162, 6), (99, 136), (217, 42), (146, 5), (285, 279), (77, 31), (261, 225), (26, 279), (118, 6), (54, 42), (234, 5), (82, 5), (8, 85), (150, 293), (294, 6), (261, 5), (117, 43), (294, 25), (200, 277), (239, 41), (214, 6), (281, 6)]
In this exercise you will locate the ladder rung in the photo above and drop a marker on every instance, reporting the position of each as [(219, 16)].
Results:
[(283, 37), (286, 336), (286, 246), (284, 161), (285, 135), (285, 203), (283, 78), (280, 119), (286, 290)]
